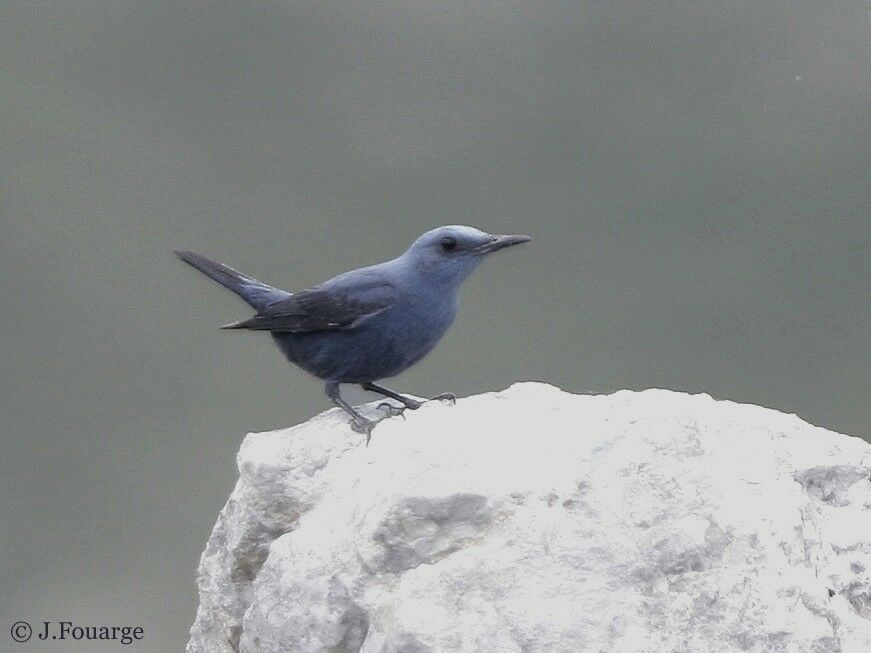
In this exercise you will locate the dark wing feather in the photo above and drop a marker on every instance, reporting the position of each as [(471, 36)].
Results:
[(321, 309)]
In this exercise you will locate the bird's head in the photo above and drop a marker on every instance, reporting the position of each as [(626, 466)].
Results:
[(450, 254)]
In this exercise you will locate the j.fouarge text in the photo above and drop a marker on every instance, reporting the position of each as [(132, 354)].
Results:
[(60, 630)]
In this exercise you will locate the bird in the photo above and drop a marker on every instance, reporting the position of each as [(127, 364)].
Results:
[(370, 323)]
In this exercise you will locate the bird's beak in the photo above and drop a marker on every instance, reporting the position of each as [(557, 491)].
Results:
[(501, 242)]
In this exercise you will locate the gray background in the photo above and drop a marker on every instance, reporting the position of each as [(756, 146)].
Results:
[(696, 177)]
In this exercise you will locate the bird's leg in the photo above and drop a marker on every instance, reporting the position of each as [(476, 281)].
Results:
[(408, 402), (358, 422)]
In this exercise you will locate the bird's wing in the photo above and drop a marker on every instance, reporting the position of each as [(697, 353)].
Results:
[(323, 308)]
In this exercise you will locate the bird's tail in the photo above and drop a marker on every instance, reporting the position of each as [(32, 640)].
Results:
[(256, 293)]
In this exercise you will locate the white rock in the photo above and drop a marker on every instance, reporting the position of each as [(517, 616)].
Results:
[(537, 520)]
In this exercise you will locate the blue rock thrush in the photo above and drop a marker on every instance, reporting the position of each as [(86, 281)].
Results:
[(367, 324)]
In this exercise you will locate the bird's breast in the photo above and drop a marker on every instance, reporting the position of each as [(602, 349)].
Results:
[(425, 317)]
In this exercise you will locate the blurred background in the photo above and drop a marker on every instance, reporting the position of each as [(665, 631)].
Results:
[(696, 177)]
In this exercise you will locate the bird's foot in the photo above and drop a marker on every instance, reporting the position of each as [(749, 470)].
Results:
[(365, 425), (393, 411)]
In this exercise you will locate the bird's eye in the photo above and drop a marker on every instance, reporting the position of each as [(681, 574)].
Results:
[(449, 243)]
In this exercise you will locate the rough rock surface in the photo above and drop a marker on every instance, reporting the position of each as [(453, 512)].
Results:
[(537, 520)]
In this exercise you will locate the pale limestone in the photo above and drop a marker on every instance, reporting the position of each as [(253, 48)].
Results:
[(537, 520)]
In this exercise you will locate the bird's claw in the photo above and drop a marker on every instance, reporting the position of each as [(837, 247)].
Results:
[(391, 410), (365, 426)]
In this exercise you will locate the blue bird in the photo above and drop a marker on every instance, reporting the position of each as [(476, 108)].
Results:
[(367, 324)]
